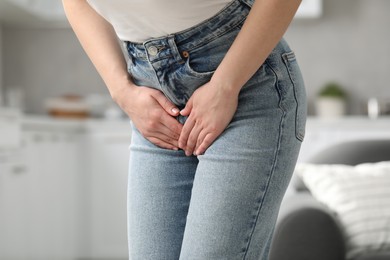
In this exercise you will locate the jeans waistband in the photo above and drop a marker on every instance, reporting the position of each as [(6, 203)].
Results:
[(225, 20)]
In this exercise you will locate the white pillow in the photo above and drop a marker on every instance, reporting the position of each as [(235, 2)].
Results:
[(360, 196)]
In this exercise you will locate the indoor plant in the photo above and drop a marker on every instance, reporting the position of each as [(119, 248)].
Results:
[(331, 101)]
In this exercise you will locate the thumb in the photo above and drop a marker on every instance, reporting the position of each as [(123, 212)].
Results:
[(187, 109), (167, 105)]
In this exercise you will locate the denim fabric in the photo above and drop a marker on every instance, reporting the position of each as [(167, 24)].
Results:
[(223, 204)]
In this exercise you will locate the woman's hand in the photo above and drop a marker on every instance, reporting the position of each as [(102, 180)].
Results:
[(153, 115), (210, 109), (149, 109)]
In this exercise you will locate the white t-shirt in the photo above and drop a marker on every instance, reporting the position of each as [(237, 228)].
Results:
[(139, 20)]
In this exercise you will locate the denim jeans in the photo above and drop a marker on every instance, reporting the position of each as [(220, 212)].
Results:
[(222, 204)]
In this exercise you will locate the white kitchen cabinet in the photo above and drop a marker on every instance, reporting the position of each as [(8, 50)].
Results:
[(63, 192), (39, 197), (13, 210), (9, 127), (107, 164)]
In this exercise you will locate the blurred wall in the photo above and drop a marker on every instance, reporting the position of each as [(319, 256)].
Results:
[(350, 44), (47, 63), (1, 66)]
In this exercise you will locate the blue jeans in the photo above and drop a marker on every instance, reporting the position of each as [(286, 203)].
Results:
[(223, 204)]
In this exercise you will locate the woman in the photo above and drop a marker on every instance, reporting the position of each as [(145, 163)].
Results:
[(217, 105)]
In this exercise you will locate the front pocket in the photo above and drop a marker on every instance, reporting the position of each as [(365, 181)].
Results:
[(205, 58), (201, 69), (299, 93)]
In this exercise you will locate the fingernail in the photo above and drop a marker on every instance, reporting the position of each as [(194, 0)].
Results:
[(175, 110)]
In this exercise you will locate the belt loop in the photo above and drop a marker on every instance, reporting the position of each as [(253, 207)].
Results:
[(175, 50)]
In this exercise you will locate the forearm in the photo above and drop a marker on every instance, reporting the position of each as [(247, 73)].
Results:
[(99, 41), (264, 27)]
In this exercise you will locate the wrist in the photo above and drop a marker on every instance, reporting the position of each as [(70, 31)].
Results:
[(225, 85), (116, 85), (120, 88)]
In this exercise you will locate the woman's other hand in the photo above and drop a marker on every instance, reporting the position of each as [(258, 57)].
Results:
[(210, 109), (152, 114)]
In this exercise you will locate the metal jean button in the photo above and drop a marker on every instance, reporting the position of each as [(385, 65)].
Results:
[(152, 50)]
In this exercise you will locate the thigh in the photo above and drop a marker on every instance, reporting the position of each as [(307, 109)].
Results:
[(159, 191), (241, 179)]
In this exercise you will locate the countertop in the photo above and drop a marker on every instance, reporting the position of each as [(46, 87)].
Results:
[(47, 123)]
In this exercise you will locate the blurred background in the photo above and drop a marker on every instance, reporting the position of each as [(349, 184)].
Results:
[(64, 143)]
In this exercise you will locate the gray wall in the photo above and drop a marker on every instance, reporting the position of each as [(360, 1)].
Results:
[(1, 66), (47, 63), (350, 43)]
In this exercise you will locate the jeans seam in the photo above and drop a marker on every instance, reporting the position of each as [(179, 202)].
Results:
[(287, 58), (275, 159), (280, 91), (261, 202)]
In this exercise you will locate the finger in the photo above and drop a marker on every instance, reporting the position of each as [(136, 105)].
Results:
[(186, 111), (192, 139), (164, 102), (201, 137), (185, 132), (162, 143), (174, 127), (164, 133), (207, 141)]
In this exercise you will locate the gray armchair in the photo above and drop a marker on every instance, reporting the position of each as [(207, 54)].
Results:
[(306, 229)]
